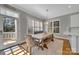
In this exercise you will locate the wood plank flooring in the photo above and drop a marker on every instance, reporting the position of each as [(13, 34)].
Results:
[(66, 48)]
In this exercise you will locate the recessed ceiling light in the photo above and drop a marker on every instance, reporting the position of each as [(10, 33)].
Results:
[(69, 6)]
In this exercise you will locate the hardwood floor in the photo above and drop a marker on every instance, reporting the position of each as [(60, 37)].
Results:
[(66, 48)]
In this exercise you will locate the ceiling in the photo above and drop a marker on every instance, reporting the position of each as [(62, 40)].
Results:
[(47, 11)]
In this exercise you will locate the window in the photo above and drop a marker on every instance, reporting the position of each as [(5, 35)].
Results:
[(56, 26), (9, 24), (41, 26), (37, 25), (53, 26)]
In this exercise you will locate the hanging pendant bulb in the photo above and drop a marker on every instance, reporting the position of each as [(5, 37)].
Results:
[(47, 10)]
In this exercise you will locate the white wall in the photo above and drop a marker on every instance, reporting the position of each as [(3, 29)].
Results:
[(29, 19), (45, 26), (22, 26)]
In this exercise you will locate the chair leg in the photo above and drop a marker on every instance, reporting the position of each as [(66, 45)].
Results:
[(11, 51), (52, 40), (45, 46)]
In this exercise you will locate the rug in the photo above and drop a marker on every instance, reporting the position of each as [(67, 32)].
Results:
[(54, 48)]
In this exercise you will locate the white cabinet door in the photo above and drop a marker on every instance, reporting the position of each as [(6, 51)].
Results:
[(77, 44), (73, 43), (1, 31), (75, 20)]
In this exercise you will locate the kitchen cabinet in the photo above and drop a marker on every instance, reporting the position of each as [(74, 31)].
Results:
[(1, 31), (74, 41), (75, 20)]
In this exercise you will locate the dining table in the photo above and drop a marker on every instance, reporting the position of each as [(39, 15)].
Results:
[(41, 39)]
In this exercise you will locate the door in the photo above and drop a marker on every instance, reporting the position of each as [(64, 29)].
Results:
[(1, 31)]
